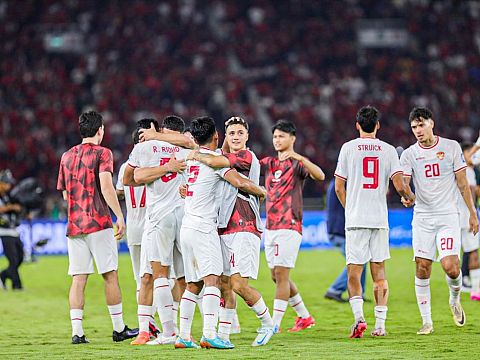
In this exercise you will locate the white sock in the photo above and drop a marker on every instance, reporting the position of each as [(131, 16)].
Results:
[(211, 307), (422, 290), (200, 302), (187, 310), (455, 285), (380, 316), (298, 305), (76, 317), (152, 317), (356, 303), (116, 315), (225, 319), (261, 310), (475, 278), (279, 308), (164, 301), (137, 294), (176, 306), (144, 313), (236, 322)]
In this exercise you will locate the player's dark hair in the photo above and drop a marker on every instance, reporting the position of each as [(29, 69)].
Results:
[(466, 145), (187, 129), (368, 117), (89, 123), (144, 124), (174, 123), (203, 129), (135, 137), (420, 112), (236, 120), (285, 126)]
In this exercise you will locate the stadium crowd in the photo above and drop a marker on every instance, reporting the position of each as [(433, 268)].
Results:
[(263, 60)]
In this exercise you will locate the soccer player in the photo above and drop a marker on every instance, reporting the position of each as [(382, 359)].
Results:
[(240, 232), (201, 249), (437, 168), (284, 178), (366, 164), (85, 178), (155, 165)]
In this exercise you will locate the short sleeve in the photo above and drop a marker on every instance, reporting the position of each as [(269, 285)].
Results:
[(223, 172), (405, 163), (106, 161), (395, 167), (342, 169), (264, 164), (119, 184), (61, 177), (458, 159), (133, 158), (241, 160)]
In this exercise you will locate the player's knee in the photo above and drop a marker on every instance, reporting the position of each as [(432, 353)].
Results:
[(147, 280), (239, 287), (452, 271), (280, 275)]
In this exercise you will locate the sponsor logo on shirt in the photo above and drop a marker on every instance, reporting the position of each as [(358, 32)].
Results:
[(277, 174)]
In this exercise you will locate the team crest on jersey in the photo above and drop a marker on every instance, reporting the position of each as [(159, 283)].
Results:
[(440, 155), (277, 174)]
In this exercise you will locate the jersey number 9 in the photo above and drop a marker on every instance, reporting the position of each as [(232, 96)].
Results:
[(370, 172)]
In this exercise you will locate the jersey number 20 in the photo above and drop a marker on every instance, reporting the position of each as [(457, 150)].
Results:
[(370, 172)]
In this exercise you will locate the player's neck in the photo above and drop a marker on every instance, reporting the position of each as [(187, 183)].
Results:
[(284, 151), (364, 135), (428, 142), (91, 140)]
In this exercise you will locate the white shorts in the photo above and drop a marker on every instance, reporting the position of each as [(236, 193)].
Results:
[(145, 266), (160, 240), (363, 245), (135, 253), (281, 247), (202, 254), (470, 242), (134, 233), (241, 254), (100, 245), (439, 233)]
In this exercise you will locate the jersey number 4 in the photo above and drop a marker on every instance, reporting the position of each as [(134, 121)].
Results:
[(370, 172)]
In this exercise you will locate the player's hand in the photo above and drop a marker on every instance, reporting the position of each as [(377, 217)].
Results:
[(147, 134), (182, 189), (175, 165), (119, 229), (191, 155), (264, 195), (407, 202), (473, 223), (290, 155)]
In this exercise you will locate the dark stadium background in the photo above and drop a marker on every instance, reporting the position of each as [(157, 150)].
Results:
[(314, 62)]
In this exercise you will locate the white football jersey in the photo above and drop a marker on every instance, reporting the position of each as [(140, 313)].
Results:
[(201, 207), (462, 206), (135, 201), (162, 194), (433, 171), (367, 165)]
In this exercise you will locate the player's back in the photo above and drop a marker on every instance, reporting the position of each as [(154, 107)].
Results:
[(162, 194), (367, 164), (135, 200), (201, 209), (433, 170)]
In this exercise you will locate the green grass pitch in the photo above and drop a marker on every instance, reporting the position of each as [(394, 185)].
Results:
[(34, 324)]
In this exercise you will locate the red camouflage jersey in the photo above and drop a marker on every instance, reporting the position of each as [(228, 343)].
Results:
[(284, 183), (79, 176), (243, 218)]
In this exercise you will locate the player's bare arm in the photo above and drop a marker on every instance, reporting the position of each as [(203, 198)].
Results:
[(402, 189), (314, 170), (245, 184), (110, 196), (146, 175), (464, 187), (213, 161), (128, 177), (340, 190), (175, 139), (406, 202)]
